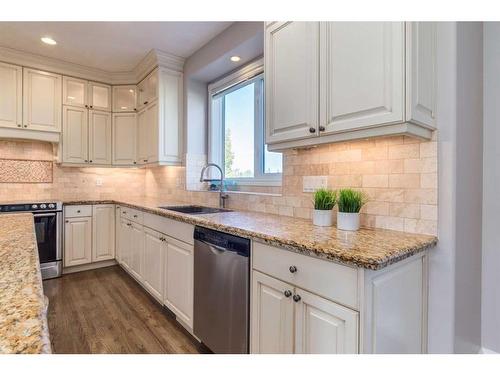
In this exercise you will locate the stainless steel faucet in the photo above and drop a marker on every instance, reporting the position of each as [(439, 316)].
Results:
[(222, 196)]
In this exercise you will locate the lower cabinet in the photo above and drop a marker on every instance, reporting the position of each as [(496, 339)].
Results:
[(136, 250), (179, 281), (286, 320), (103, 232), (77, 241), (154, 252)]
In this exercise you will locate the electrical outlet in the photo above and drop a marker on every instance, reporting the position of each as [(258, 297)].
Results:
[(312, 183), (98, 182)]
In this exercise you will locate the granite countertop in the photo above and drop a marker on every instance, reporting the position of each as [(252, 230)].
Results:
[(368, 248), (23, 321)]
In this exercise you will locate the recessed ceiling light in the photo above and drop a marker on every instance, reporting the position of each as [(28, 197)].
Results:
[(48, 40), (123, 107), (131, 90), (235, 58)]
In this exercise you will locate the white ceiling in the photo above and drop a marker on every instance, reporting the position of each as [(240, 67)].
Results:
[(110, 46)]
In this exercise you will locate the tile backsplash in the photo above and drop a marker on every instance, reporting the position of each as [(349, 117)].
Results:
[(398, 174)]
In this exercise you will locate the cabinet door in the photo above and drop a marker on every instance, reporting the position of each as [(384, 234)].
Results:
[(136, 250), (272, 315), (324, 327), (99, 137), (75, 92), (421, 61), (99, 96), (124, 98), (124, 138), (147, 134), (77, 241), (75, 135), (11, 96), (291, 66), (103, 232), (179, 280), (362, 74), (147, 89), (118, 254), (154, 246), (124, 243), (42, 100)]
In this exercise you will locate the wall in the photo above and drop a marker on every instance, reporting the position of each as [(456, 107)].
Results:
[(491, 186), (67, 183), (398, 174)]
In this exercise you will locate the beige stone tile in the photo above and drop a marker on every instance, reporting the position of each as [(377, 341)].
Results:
[(404, 151), (285, 210), (388, 222), (354, 181), (428, 212), (406, 210), (375, 153), (428, 180), (428, 149), (376, 208), (404, 181), (422, 196), (346, 155), (376, 181)]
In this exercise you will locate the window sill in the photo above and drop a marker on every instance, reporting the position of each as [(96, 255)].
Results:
[(239, 192), (254, 182)]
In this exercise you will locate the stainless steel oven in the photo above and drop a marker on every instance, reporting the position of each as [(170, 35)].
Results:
[(47, 219)]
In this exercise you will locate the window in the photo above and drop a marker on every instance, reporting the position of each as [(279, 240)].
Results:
[(237, 134)]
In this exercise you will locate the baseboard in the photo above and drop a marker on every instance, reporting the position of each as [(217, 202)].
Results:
[(89, 266), (484, 350)]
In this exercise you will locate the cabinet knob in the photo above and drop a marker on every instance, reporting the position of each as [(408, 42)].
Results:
[(135, 216), (135, 162), (135, 109), (78, 211), (19, 125), (145, 160), (292, 269), (67, 221), (322, 128), (25, 126), (287, 293), (86, 161), (146, 102), (91, 106), (90, 161), (296, 298), (86, 106), (312, 130)]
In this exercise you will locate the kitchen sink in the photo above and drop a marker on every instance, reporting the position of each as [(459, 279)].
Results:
[(195, 210)]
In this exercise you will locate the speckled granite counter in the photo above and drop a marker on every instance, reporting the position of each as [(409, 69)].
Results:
[(23, 323), (367, 248)]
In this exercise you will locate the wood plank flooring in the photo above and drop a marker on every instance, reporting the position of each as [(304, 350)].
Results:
[(106, 311)]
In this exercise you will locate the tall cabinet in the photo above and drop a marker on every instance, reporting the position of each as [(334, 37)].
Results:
[(335, 81)]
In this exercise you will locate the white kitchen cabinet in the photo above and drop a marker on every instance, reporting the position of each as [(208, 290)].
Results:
[(154, 251), (136, 250), (362, 70), (147, 89), (75, 92), (99, 96), (179, 282), (99, 137), (75, 135), (77, 241), (272, 315), (124, 243), (147, 134), (124, 138), (11, 96), (323, 326), (124, 98), (42, 100), (118, 255), (103, 232), (372, 78), (292, 81)]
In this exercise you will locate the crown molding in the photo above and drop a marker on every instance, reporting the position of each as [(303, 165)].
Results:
[(152, 59)]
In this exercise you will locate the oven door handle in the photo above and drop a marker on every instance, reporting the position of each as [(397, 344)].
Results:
[(45, 215)]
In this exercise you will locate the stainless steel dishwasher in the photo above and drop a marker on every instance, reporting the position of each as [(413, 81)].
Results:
[(221, 291)]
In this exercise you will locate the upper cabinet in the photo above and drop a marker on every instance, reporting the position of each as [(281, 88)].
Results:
[(335, 81), (147, 89), (82, 93), (11, 96), (41, 100), (124, 98)]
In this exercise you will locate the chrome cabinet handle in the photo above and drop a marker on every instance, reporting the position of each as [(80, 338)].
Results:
[(292, 269), (287, 293), (296, 298)]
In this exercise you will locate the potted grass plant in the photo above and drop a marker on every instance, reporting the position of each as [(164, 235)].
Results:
[(324, 200), (349, 203)]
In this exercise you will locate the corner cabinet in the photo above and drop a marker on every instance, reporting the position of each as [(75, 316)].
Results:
[(335, 81)]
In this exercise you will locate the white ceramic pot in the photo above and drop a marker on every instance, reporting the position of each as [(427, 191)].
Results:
[(348, 220), (323, 218)]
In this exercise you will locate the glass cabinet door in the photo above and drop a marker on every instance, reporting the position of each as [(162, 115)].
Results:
[(100, 96), (124, 98), (74, 91)]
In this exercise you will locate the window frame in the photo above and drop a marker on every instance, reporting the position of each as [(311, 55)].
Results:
[(251, 73)]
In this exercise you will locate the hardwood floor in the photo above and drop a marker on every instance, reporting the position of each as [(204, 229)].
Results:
[(106, 311)]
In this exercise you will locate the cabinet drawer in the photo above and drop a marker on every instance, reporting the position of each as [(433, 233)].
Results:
[(330, 280), (78, 211), (132, 214), (173, 228)]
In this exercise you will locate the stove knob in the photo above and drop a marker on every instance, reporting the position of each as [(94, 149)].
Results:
[(51, 205), (35, 206), (43, 206)]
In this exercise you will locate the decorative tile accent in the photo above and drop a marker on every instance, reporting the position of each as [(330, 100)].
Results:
[(25, 171)]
